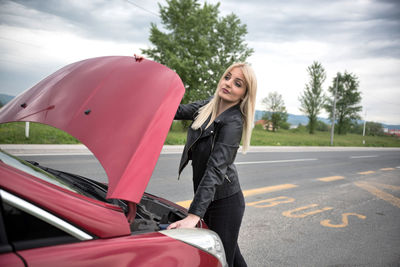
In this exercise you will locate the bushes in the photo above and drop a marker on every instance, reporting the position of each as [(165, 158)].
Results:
[(323, 127)]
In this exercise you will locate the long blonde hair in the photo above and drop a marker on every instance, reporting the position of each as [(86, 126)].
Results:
[(247, 105)]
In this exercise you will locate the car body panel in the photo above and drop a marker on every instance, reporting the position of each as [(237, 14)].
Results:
[(11, 259), (119, 107), (97, 218), (113, 247), (147, 250)]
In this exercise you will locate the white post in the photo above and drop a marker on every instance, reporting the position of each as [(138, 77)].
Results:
[(27, 129), (365, 121)]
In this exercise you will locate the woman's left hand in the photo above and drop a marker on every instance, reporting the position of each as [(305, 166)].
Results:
[(189, 222)]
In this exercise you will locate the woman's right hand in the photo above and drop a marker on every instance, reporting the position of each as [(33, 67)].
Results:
[(189, 222)]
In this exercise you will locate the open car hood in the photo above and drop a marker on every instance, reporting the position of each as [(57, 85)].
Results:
[(119, 107)]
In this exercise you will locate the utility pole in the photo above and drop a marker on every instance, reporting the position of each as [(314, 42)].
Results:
[(334, 110), (365, 121)]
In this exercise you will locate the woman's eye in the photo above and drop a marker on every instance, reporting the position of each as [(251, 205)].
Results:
[(227, 77), (238, 84)]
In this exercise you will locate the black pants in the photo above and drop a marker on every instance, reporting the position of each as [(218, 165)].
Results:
[(224, 217)]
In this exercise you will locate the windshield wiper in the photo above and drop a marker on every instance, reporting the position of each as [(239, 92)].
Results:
[(84, 185)]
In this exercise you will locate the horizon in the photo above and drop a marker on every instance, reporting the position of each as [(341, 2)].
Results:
[(303, 116)]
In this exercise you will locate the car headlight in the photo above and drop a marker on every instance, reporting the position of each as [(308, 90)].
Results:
[(203, 239)]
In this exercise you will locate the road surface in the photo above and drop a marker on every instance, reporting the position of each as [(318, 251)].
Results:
[(305, 207)]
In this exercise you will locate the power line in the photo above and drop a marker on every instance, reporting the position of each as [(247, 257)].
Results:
[(148, 11)]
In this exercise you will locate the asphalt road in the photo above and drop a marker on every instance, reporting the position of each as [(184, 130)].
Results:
[(304, 208)]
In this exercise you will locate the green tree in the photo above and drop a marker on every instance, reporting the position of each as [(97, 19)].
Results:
[(356, 128), (198, 44), (321, 126), (276, 110), (312, 99), (374, 128), (285, 125), (348, 99)]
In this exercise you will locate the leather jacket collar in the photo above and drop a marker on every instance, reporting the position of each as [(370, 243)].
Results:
[(194, 135)]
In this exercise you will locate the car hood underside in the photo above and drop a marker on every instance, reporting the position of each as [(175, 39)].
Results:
[(121, 108)]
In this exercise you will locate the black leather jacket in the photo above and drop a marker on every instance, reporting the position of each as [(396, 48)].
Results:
[(212, 151)]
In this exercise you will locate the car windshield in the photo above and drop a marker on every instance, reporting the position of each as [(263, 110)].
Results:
[(33, 170)]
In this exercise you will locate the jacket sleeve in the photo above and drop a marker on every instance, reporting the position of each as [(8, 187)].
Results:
[(223, 154), (189, 111)]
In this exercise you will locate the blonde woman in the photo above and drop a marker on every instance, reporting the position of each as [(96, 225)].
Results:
[(213, 139)]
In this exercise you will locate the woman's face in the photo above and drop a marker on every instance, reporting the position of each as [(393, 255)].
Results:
[(232, 87)]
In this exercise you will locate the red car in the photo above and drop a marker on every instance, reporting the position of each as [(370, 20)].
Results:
[(121, 108)]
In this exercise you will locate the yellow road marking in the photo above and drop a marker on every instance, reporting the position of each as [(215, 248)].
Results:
[(395, 201), (367, 172), (386, 186), (330, 178), (268, 189), (387, 169), (290, 214), (250, 192), (345, 220), (272, 202), (185, 204)]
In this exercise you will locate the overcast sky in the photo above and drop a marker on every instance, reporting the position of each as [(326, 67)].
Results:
[(358, 36)]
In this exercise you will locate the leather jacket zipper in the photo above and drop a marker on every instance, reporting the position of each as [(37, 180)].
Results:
[(214, 133), (213, 141), (201, 132), (227, 178)]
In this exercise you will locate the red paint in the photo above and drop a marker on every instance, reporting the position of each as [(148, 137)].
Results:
[(11, 259), (132, 104), (95, 217), (145, 250)]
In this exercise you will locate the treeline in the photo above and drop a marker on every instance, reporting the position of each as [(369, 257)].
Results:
[(199, 44), (341, 101), (371, 128)]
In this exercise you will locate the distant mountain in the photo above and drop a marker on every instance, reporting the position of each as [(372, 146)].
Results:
[(4, 99), (390, 126), (292, 119), (302, 119)]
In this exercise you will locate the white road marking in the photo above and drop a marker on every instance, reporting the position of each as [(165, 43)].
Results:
[(272, 161), (52, 154), (360, 157)]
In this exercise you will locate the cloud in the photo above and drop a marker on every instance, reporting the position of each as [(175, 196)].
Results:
[(359, 23), (115, 20), (37, 53), (360, 36), (39, 37)]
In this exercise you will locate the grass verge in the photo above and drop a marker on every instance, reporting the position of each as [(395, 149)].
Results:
[(14, 133), (294, 138)]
